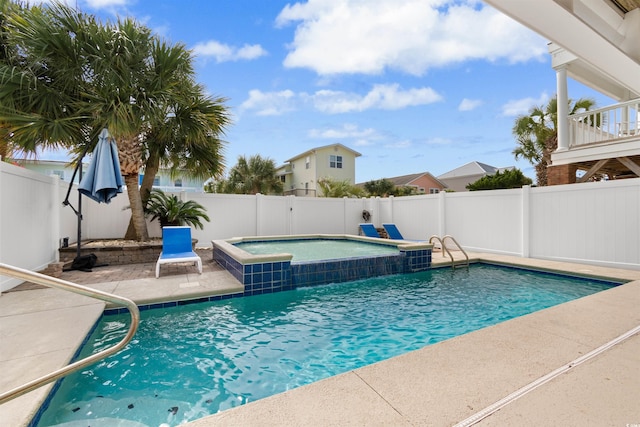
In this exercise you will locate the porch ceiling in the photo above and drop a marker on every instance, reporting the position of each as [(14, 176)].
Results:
[(626, 5), (600, 33), (614, 168)]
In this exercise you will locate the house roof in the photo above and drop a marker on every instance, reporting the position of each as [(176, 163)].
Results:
[(313, 150), (403, 180), (472, 168), (60, 163), (399, 181)]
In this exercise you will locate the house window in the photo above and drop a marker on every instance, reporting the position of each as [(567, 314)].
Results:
[(335, 161), (307, 163), (156, 180), (434, 190), (178, 182), (306, 188), (283, 178)]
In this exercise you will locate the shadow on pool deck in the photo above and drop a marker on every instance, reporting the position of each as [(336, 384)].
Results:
[(441, 384)]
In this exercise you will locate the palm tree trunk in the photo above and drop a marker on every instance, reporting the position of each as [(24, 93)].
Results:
[(150, 171), (137, 212)]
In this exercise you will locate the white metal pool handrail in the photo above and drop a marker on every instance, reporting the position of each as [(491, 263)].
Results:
[(53, 282), (450, 237), (445, 250)]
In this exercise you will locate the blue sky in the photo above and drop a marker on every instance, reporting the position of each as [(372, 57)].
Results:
[(413, 85)]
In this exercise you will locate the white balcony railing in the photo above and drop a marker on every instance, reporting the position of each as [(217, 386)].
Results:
[(615, 122)]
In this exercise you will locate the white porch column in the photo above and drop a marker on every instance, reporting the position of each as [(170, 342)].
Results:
[(563, 109)]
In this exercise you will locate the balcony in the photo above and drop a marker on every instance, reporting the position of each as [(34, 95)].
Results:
[(605, 141)]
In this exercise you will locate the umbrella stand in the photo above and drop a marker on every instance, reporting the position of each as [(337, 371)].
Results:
[(87, 262)]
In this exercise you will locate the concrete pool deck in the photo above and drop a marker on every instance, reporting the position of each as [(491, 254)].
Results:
[(441, 384)]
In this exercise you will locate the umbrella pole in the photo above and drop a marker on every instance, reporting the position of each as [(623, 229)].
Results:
[(66, 199), (79, 215)]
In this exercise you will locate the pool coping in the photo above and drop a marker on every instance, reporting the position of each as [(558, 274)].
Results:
[(83, 314)]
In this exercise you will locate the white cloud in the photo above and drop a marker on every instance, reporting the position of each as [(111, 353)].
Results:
[(362, 143), (469, 104), (438, 141), (356, 36), (399, 144), (270, 103), (347, 131), (519, 107), (382, 97), (224, 53)]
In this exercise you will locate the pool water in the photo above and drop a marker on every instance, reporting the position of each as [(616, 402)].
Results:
[(194, 360), (318, 249)]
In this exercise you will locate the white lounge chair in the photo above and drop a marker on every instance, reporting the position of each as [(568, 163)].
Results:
[(176, 247)]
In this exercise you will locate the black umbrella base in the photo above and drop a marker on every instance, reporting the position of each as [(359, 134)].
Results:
[(85, 263)]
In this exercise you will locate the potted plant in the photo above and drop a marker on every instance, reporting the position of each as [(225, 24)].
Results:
[(170, 210)]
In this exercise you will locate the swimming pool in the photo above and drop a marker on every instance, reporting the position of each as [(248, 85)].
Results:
[(272, 270), (195, 360)]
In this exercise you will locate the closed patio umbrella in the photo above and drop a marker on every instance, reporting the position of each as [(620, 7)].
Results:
[(103, 180)]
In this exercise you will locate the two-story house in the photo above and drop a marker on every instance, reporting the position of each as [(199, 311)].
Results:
[(300, 174), (596, 43)]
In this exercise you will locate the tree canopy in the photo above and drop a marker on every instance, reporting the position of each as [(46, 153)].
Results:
[(512, 178), (64, 76), (330, 187), (250, 176), (385, 188), (537, 134), (379, 187)]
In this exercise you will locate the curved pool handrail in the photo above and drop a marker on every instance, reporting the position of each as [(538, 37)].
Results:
[(444, 239), (64, 285), (445, 250)]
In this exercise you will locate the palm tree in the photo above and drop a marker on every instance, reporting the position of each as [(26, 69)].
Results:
[(331, 188), (170, 210), (40, 82), (256, 175), (381, 187), (187, 140), (70, 77), (537, 134)]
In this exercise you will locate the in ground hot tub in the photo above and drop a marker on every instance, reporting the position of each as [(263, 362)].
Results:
[(266, 271)]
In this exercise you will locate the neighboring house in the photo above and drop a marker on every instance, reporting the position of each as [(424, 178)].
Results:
[(594, 42), (423, 182), (163, 181), (458, 178), (51, 167), (300, 174), (64, 170)]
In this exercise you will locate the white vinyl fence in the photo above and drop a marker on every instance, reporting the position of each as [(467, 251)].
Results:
[(591, 223)]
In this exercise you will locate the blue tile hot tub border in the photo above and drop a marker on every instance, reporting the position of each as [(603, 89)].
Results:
[(268, 277)]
